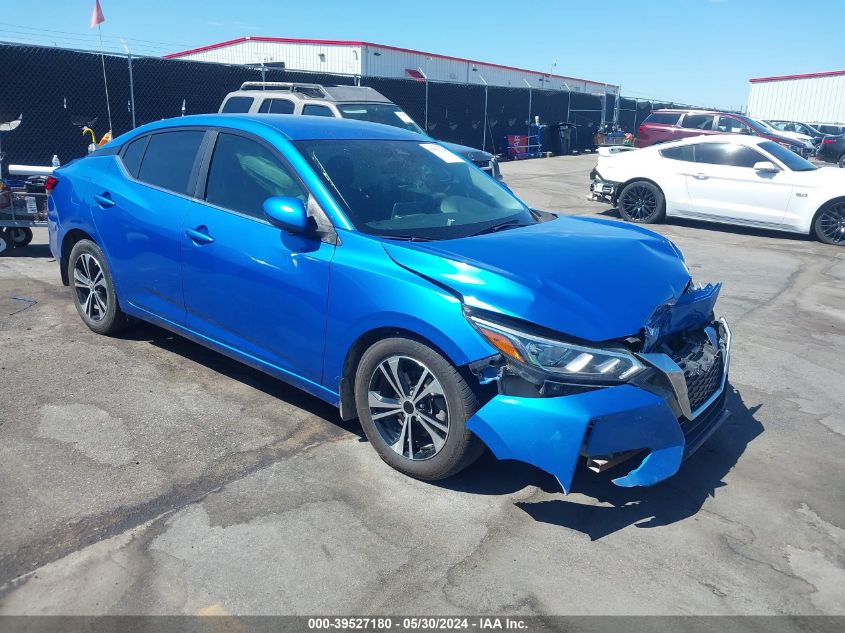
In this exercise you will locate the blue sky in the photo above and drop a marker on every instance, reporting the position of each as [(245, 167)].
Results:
[(696, 51)]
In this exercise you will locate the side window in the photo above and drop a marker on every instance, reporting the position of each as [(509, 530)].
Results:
[(731, 125), (236, 105), (730, 154), (698, 121), (169, 159), (244, 173), (317, 110), (663, 118), (682, 152), (276, 106), (133, 154)]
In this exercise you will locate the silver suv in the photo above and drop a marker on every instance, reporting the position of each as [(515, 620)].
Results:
[(348, 102)]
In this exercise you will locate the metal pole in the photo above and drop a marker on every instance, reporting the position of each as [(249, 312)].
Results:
[(425, 77), (484, 142), (131, 91), (568, 100), (529, 104), (131, 83)]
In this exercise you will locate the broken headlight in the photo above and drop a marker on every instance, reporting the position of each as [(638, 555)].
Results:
[(568, 361)]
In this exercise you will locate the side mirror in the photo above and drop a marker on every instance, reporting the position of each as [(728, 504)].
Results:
[(286, 213), (766, 166)]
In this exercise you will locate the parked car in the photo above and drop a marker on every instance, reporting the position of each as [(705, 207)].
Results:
[(361, 103), (383, 273), (832, 150), (727, 178), (801, 128), (834, 129), (662, 126)]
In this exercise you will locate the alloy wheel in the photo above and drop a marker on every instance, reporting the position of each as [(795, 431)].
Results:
[(90, 284), (638, 202), (832, 223), (408, 407)]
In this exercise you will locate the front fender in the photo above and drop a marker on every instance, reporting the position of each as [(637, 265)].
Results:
[(369, 291)]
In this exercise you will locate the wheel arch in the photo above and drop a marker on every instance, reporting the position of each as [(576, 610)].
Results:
[(821, 208), (621, 187), (361, 345), (68, 242)]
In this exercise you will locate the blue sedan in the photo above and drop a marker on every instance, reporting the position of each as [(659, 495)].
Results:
[(390, 277)]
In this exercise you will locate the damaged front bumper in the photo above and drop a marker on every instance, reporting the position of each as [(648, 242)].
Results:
[(669, 412)]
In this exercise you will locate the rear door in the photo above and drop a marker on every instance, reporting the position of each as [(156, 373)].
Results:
[(139, 209), (724, 185), (250, 285)]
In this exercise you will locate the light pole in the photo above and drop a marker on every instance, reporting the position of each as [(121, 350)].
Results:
[(484, 142)]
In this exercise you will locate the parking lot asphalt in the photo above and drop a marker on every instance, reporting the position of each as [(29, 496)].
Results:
[(145, 474)]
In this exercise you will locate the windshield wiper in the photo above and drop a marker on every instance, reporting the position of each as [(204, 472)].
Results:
[(509, 224), (409, 238)]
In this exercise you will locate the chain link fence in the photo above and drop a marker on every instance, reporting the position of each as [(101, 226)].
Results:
[(59, 91)]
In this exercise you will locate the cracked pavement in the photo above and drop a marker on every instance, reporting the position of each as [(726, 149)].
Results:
[(147, 475)]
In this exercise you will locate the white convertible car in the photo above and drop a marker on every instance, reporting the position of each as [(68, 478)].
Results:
[(728, 178)]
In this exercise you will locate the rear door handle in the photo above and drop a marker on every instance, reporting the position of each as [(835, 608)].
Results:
[(700, 176), (104, 200), (199, 235)]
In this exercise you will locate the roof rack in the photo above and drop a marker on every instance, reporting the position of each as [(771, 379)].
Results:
[(309, 90)]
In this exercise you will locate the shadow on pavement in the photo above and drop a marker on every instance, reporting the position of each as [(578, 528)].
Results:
[(678, 498), (33, 251)]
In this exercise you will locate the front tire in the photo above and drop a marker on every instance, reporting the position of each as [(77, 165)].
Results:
[(642, 202), (829, 223), (413, 405), (93, 289)]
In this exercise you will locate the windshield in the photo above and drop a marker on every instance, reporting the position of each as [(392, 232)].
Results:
[(764, 125), (789, 158), (412, 189), (384, 113)]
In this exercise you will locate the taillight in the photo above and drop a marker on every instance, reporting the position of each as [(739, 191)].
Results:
[(828, 141), (50, 184), (641, 131)]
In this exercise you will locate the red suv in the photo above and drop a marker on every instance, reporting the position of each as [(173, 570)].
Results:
[(662, 126)]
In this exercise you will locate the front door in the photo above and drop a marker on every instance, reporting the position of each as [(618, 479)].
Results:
[(248, 284), (723, 184)]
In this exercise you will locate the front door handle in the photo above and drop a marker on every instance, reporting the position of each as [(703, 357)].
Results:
[(104, 200), (199, 235), (700, 176)]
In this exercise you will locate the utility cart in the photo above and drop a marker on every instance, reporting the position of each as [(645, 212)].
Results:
[(23, 205)]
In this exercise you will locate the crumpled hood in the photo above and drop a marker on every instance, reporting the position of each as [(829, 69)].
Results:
[(589, 278)]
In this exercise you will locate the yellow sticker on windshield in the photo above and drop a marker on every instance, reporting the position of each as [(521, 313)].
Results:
[(442, 153)]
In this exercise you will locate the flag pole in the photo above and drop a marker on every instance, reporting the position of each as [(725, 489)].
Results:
[(105, 79)]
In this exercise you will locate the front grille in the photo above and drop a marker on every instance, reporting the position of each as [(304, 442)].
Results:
[(702, 383)]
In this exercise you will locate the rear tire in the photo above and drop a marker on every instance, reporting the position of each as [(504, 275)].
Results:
[(423, 437), (829, 223), (92, 287), (841, 161), (642, 202), (20, 236)]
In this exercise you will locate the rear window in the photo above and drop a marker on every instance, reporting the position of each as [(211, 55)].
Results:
[(698, 121), (682, 152), (663, 118), (133, 154), (235, 105), (169, 159)]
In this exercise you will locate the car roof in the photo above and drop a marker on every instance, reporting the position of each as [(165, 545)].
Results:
[(293, 127), (738, 139)]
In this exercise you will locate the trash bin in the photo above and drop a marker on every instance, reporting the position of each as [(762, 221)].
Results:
[(35, 184), (559, 139)]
